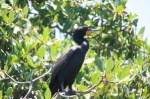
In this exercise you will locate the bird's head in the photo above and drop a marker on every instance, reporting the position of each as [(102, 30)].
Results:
[(82, 31)]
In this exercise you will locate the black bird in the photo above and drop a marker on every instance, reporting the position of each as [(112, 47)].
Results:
[(69, 64)]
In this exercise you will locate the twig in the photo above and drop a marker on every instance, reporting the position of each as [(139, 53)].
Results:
[(59, 94), (57, 26), (28, 82), (30, 89), (42, 75), (89, 90)]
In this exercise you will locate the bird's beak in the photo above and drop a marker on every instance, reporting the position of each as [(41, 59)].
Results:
[(89, 31)]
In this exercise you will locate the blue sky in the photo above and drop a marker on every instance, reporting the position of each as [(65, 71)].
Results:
[(141, 8)]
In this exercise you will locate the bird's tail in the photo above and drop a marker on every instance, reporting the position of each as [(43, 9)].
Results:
[(54, 88)]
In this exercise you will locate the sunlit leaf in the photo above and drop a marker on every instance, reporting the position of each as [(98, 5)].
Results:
[(89, 60), (11, 16), (95, 77), (101, 85), (82, 88), (5, 18), (25, 10), (53, 51), (88, 22), (9, 91), (46, 34), (124, 72), (109, 65), (13, 2), (140, 60), (88, 96), (120, 9), (126, 79), (47, 93), (30, 61), (14, 59), (1, 95), (41, 51), (141, 32), (56, 17)]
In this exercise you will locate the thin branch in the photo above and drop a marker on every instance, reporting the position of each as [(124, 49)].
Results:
[(89, 90), (57, 26), (42, 75), (28, 82), (60, 29), (1, 79), (30, 89), (59, 94)]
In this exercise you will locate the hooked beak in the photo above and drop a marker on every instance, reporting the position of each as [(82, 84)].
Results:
[(89, 31)]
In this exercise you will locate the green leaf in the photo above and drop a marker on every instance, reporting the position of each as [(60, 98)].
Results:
[(120, 9), (142, 31), (47, 93), (1, 95), (95, 77), (135, 21), (109, 65), (124, 72), (79, 76), (5, 18), (14, 59), (132, 16), (56, 17), (41, 51), (117, 2), (126, 89), (53, 51), (69, 12), (100, 64), (2, 31), (28, 75), (46, 34), (88, 22), (11, 16), (9, 91), (13, 2), (29, 60), (25, 10), (82, 88), (140, 60), (67, 25)]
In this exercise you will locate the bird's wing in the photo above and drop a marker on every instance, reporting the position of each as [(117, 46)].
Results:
[(60, 64)]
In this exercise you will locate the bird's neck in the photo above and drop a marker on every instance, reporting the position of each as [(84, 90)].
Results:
[(83, 43)]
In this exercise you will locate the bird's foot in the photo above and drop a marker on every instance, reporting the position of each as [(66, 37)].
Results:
[(63, 93), (71, 92)]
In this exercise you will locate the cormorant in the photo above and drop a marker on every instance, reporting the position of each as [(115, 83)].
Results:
[(69, 64)]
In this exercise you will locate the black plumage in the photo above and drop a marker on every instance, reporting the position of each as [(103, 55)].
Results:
[(69, 64)]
